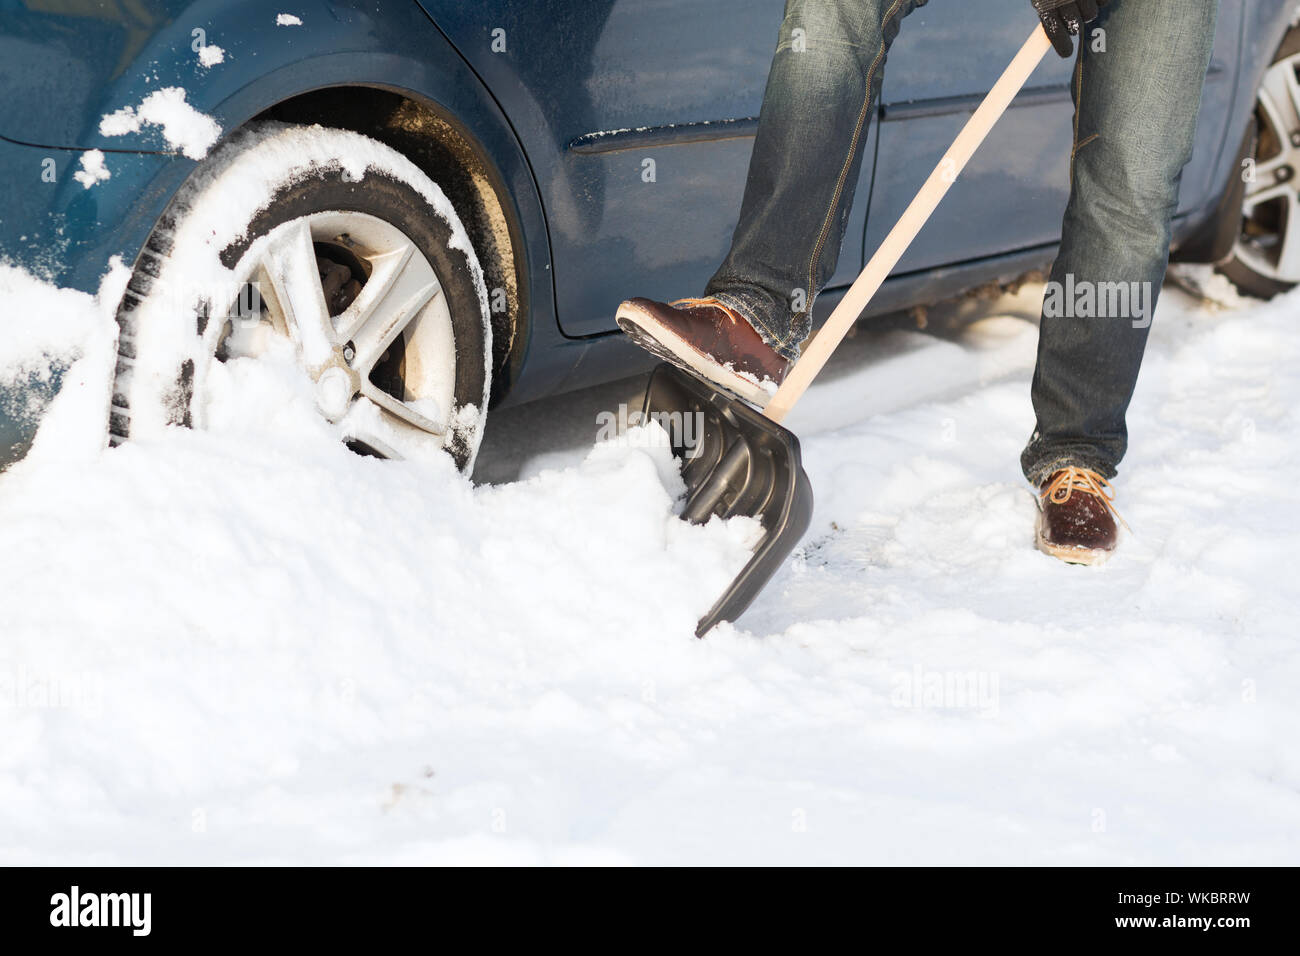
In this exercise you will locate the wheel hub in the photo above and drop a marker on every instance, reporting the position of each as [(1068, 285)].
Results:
[(336, 386)]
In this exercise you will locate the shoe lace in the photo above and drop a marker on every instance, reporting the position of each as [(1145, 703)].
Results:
[(1086, 481), (694, 303)]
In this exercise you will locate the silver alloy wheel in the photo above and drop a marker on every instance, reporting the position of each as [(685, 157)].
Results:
[(398, 316), (1270, 240)]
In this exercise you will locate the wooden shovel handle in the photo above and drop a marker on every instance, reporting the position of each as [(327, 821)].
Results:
[(909, 225)]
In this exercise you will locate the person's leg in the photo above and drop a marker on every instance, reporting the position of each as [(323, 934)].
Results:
[(823, 86), (1135, 119)]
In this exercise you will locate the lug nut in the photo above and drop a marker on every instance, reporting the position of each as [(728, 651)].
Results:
[(349, 353), (1295, 138), (1284, 174)]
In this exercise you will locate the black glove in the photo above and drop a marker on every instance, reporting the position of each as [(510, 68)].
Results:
[(1064, 17)]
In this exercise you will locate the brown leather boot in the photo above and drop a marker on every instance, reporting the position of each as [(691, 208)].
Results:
[(705, 337), (1076, 517)]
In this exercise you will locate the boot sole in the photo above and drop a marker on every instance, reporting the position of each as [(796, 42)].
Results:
[(1090, 557), (651, 335)]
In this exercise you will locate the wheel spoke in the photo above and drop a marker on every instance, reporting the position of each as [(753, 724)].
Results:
[(1280, 98), (402, 411), (290, 266), (376, 336), (1275, 113), (1288, 262), (1266, 173), (385, 269), (400, 286), (373, 421), (274, 316), (1285, 265), (1267, 192)]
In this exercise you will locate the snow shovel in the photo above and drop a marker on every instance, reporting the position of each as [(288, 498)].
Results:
[(738, 461)]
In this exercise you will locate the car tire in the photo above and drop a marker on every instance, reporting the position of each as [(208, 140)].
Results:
[(338, 243), (1265, 260)]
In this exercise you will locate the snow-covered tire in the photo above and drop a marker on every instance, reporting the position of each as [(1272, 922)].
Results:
[(400, 355)]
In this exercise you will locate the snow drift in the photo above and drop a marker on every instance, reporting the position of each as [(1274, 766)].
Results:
[(247, 644)]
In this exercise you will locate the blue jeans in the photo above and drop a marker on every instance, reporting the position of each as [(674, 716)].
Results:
[(1135, 120)]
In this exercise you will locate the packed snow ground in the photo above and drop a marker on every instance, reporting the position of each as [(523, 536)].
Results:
[(250, 645)]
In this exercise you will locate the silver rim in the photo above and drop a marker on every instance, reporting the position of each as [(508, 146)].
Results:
[(1270, 240), (381, 357)]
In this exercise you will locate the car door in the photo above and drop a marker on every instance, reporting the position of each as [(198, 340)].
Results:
[(1013, 193), (638, 119)]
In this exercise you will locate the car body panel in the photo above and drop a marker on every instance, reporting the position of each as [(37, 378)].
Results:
[(111, 54), (597, 90)]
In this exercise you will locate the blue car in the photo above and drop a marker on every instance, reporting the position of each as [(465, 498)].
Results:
[(441, 204)]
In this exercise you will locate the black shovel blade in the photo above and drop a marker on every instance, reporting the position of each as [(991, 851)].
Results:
[(734, 462)]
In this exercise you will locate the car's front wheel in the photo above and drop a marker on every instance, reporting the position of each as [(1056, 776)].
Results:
[(337, 243)]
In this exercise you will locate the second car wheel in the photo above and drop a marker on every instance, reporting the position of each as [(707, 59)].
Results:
[(1266, 257)]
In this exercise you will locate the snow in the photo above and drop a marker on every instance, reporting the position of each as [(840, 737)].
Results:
[(210, 55), (287, 20), (44, 324), (49, 332), (246, 644), (92, 169), (184, 127), (1208, 284)]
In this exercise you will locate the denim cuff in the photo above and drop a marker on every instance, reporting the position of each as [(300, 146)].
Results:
[(1040, 464), (753, 310)]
